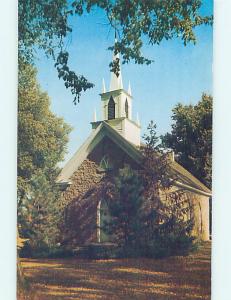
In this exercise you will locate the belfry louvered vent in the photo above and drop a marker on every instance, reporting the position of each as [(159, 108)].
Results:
[(111, 109), (126, 108)]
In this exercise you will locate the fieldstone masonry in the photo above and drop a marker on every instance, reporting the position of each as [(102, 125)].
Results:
[(81, 199)]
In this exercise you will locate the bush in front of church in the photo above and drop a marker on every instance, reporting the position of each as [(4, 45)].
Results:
[(170, 237)]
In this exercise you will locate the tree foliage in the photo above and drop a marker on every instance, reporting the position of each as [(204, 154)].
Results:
[(125, 200), (169, 216), (155, 163), (42, 141), (46, 25), (148, 216), (191, 137)]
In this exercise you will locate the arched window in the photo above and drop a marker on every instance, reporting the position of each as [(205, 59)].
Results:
[(126, 108), (105, 163), (103, 219), (111, 109)]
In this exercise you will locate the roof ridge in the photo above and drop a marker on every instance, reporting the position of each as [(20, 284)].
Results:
[(81, 154)]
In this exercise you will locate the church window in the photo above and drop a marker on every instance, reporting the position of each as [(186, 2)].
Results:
[(105, 163), (111, 109), (126, 108), (103, 218)]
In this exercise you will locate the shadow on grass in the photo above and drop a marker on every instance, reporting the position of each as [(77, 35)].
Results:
[(174, 278)]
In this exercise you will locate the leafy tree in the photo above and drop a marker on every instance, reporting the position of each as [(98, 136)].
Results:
[(41, 215), (155, 178), (191, 138), (148, 216), (42, 136), (125, 202), (45, 25), (42, 141), (168, 212)]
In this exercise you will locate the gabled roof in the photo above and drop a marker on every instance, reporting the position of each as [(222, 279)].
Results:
[(188, 177), (187, 180), (95, 137)]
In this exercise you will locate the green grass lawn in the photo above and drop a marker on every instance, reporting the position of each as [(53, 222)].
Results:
[(174, 278)]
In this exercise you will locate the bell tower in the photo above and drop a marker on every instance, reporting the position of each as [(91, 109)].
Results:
[(116, 103), (117, 108)]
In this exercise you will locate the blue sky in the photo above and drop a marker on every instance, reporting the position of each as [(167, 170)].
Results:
[(178, 74)]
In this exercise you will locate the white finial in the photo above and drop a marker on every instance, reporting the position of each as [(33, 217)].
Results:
[(137, 119), (103, 87), (129, 88), (94, 116)]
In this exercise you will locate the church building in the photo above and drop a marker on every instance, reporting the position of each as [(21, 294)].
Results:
[(114, 141)]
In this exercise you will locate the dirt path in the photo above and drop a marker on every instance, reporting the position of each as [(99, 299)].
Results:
[(174, 278)]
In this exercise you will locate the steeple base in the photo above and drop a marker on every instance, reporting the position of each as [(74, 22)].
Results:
[(127, 128)]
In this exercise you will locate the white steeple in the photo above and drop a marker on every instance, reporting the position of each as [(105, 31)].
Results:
[(129, 88), (116, 106), (137, 119), (103, 87), (94, 116), (116, 81)]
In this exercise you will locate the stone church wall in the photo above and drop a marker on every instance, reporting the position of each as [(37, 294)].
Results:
[(199, 211), (81, 200), (201, 215)]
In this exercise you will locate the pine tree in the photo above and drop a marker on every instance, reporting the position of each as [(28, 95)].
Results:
[(168, 214), (125, 201)]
